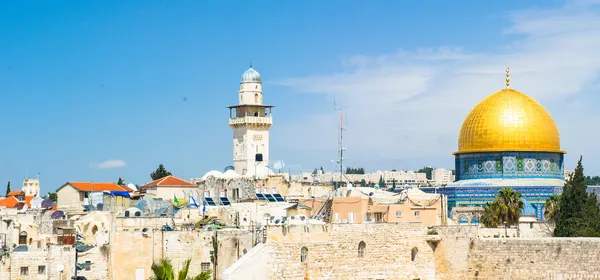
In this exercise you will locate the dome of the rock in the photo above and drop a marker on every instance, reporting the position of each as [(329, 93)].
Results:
[(509, 120)]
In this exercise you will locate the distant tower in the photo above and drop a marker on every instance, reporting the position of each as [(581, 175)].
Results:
[(31, 186), (250, 121)]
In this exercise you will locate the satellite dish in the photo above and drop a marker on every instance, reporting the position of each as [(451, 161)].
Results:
[(145, 231), (278, 165), (132, 187), (371, 194), (47, 204), (25, 207), (60, 267), (350, 186), (57, 215)]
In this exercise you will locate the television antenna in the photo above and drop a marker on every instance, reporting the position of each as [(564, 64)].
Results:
[(340, 148)]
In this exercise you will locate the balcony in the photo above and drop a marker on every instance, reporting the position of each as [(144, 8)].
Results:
[(251, 120)]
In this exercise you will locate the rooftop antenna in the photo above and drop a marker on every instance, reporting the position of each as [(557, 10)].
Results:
[(340, 141)]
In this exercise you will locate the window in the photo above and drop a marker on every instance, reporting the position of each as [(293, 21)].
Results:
[(413, 253), (256, 98), (417, 213), (398, 213), (205, 266), (23, 238), (351, 217), (39, 244), (86, 194), (126, 213), (24, 270), (236, 194), (530, 225), (138, 213), (42, 269), (303, 254), (361, 249), (89, 267)]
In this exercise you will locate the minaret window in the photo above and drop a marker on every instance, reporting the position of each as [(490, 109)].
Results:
[(256, 98)]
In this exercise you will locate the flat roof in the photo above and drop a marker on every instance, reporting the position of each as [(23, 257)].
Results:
[(251, 105)]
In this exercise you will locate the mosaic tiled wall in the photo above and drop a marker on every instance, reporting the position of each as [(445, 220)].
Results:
[(509, 165)]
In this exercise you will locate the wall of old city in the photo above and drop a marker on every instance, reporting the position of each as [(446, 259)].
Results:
[(534, 258), (462, 255), (132, 253), (333, 253)]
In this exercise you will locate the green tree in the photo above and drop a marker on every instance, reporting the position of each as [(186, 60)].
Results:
[(551, 208), (363, 183), (8, 188), (592, 181), (570, 220), (163, 270), (350, 170), (381, 182), (160, 172), (491, 217), (393, 185), (52, 196), (510, 205), (427, 170), (506, 208), (121, 182)]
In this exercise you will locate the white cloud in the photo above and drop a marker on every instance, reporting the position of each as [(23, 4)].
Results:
[(111, 163), (410, 104)]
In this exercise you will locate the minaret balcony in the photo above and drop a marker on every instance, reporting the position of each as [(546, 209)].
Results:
[(251, 120)]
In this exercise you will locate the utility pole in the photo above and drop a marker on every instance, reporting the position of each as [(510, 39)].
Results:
[(80, 248)]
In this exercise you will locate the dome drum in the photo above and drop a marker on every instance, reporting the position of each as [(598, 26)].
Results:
[(509, 165)]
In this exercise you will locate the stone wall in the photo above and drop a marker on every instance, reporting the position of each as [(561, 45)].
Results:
[(333, 253), (548, 258), (134, 251)]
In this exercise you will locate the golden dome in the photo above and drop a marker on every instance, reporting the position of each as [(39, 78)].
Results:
[(508, 121)]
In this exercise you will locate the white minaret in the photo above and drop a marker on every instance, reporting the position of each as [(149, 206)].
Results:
[(250, 121)]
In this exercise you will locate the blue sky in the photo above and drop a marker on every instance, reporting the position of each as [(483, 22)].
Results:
[(147, 82)]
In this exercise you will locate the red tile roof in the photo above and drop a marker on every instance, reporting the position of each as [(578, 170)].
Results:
[(96, 187), (11, 201), (169, 181), (14, 193)]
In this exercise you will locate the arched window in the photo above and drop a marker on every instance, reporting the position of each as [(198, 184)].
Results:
[(256, 98), (23, 238), (303, 254), (361, 249), (413, 253), (94, 230), (138, 213), (126, 213)]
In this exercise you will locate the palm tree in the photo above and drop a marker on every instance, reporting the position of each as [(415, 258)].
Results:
[(163, 270), (491, 217), (551, 207), (510, 206)]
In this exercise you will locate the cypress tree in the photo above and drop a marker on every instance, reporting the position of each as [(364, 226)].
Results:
[(570, 217), (8, 188)]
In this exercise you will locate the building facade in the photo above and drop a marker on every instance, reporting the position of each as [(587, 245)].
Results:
[(250, 121)]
